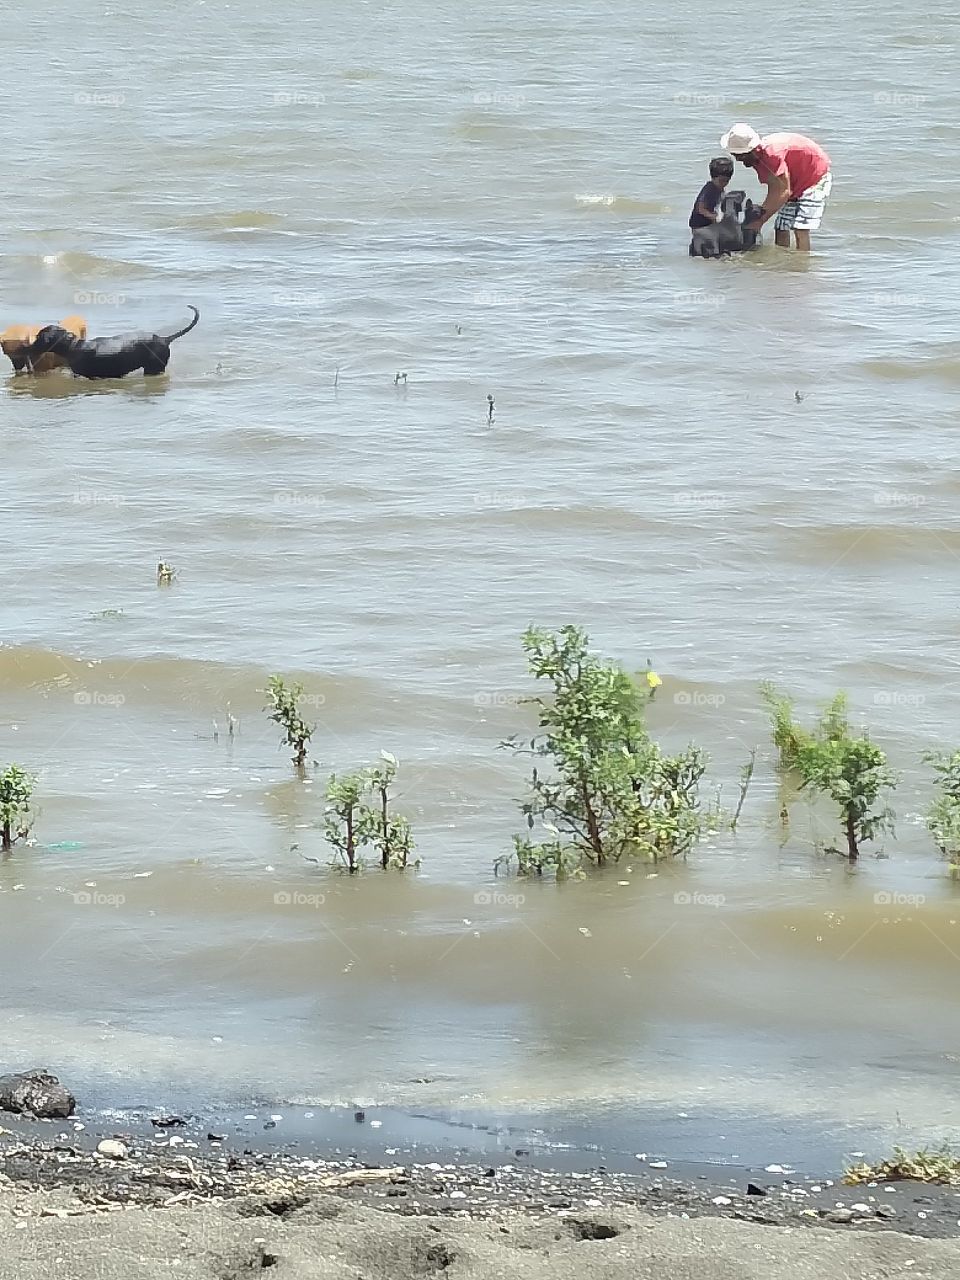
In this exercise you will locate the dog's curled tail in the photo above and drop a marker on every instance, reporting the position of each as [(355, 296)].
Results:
[(169, 337)]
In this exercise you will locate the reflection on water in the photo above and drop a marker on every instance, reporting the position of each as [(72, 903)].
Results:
[(459, 207), (58, 386)]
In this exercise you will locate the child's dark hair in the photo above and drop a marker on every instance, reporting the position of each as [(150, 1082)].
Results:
[(721, 167)]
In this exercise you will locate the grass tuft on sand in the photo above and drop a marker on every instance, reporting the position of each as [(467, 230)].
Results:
[(940, 1166)]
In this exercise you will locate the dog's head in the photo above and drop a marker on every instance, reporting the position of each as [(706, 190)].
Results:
[(52, 337), (733, 203)]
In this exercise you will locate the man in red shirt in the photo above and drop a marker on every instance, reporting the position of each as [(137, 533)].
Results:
[(797, 176)]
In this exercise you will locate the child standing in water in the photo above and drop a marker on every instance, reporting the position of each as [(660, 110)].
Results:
[(706, 206)]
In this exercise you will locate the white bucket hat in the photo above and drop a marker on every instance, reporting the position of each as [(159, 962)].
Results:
[(740, 139)]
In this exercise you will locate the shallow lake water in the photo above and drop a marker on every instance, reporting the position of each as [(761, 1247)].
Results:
[(490, 202)]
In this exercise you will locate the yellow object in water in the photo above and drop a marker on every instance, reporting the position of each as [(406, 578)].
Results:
[(653, 680)]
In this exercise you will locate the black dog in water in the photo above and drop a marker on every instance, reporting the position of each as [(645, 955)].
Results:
[(107, 357), (729, 234)]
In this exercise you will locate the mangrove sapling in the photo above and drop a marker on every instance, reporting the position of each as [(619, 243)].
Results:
[(746, 777), (943, 818), (788, 736), (284, 710), (853, 771), (390, 833), (534, 858), (611, 789), (16, 790), (348, 820)]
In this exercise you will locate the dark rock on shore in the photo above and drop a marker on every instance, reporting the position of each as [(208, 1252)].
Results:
[(36, 1093)]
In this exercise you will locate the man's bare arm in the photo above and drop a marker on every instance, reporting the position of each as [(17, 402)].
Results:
[(778, 193)]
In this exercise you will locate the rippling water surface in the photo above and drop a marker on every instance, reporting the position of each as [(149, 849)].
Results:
[(490, 201)]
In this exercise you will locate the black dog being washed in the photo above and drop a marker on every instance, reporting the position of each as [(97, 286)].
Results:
[(728, 235), (108, 357)]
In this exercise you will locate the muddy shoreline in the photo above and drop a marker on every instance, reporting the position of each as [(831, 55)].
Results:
[(189, 1163)]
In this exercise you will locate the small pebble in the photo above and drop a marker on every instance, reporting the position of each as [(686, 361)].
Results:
[(112, 1148)]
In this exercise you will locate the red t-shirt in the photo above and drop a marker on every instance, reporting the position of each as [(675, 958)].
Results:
[(791, 153)]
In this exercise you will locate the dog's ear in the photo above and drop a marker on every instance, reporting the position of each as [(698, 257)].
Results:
[(75, 325)]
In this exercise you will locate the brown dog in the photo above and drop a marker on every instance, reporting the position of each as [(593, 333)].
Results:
[(18, 337)]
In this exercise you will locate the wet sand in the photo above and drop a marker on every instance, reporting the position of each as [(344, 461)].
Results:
[(164, 1209)]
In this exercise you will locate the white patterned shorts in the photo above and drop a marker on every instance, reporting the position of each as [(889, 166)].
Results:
[(806, 212)]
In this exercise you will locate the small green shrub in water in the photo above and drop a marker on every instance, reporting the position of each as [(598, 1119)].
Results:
[(347, 824), (788, 736), (390, 833), (16, 791), (284, 710), (746, 777), (611, 790), (848, 768), (352, 824), (943, 819)]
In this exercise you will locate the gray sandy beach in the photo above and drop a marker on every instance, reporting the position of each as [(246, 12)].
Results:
[(152, 1210), (328, 1237)]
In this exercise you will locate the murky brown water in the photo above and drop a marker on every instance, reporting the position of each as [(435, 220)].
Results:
[(341, 192)]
